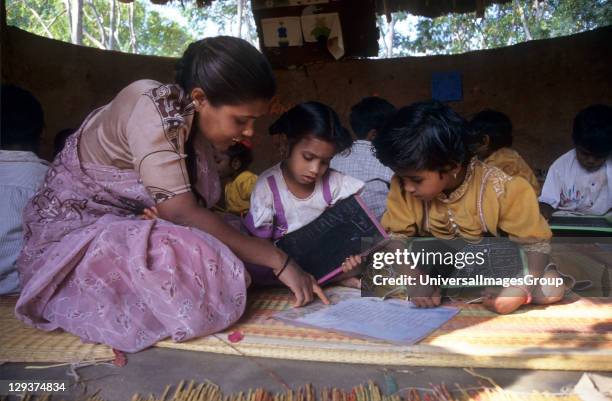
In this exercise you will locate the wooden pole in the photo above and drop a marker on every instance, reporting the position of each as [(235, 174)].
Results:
[(3, 35), (3, 14)]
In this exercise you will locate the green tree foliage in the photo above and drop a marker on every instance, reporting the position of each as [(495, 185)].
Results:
[(41, 17), (142, 28), (228, 17), (161, 37), (138, 29), (503, 24)]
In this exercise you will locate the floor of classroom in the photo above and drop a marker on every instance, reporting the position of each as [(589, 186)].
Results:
[(151, 370)]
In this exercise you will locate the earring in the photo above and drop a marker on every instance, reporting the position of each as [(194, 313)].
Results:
[(455, 175), (195, 103)]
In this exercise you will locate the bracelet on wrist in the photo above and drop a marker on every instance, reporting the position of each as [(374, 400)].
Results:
[(282, 269)]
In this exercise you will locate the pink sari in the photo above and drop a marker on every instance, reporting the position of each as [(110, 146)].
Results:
[(91, 267)]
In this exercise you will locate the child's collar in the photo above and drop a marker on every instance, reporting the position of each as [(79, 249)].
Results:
[(461, 189)]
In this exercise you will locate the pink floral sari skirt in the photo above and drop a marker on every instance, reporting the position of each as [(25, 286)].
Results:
[(91, 267)]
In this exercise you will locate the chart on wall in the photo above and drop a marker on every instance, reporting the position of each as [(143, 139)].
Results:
[(327, 30), (282, 32)]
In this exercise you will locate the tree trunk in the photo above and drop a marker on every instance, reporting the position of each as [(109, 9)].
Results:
[(250, 28), (382, 32), (41, 22), (240, 13), (539, 11), (76, 25), (519, 10), (95, 41), (389, 37), (100, 23), (112, 27), (68, 13), (132, 32), (118, 44), (3, 16)]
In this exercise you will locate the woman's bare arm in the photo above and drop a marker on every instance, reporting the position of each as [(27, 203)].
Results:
[(184, 210)]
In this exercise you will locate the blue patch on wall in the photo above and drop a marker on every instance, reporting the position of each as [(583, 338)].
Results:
[(446, 86)]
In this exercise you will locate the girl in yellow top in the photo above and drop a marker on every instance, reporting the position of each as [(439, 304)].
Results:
[(238, 182), (437, 190), (490, 138)]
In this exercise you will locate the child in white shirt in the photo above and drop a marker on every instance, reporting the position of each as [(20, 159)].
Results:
[(297, 190), (580, 180)]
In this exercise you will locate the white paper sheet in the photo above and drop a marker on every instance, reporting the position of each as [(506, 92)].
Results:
[(391, 320), (326, 26)]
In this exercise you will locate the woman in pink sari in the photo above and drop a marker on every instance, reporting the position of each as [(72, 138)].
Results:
[(91, 267)]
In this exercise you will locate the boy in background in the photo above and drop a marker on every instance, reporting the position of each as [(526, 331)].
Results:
[(238, 182), (580, 180), (21, 173), (367, 118), (490, 139)]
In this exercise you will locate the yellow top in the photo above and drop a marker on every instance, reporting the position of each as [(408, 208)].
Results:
[(513, 164), (238, 192), (488, 201)]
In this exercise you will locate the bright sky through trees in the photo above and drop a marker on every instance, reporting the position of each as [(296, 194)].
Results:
[(165, 30)]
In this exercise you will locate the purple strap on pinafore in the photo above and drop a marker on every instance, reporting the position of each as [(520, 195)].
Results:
[(280, 223), (280, 226), (261, 275)]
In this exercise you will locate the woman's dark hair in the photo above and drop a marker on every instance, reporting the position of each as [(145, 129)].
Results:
[(60, 140), (593, 129), (496, 125), (22, 119), (317, 120), (422, 136), (241, 152), (369, 114), (228, 69)]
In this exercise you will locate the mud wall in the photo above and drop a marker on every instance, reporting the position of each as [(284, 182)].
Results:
[(540, 85)]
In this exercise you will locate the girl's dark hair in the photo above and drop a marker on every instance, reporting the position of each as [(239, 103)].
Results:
[(493, 123), (228, 69), (422, 136), (317, 120), (241, 152), (593, 130)]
